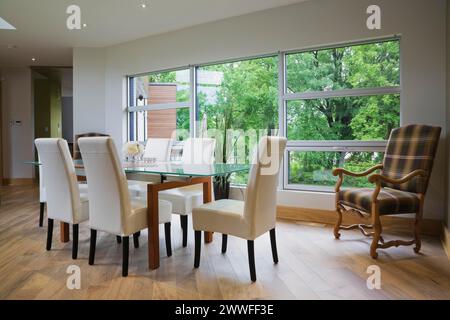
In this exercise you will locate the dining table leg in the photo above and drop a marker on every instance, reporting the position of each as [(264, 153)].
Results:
[(206, 199), (64, 232), (153, 226)]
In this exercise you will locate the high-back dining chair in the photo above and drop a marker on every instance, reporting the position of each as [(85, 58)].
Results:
[(112, 209), (158, 149), (195, 151), (400, 187), (250, 218), (64, 200)]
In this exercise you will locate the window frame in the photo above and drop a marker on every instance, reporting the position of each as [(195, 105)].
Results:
[(283, 98)]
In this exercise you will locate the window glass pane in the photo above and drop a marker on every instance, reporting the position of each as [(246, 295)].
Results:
[(347, 118), (359, 66), (238, 103), (163, 87), (315, 167)]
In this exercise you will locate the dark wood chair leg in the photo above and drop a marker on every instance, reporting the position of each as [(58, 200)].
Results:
[(377, 229), (167, 226), (75, 233), (119, 239), (184, 228), (41, 214), (273, 243), (251, 259), (136, 239), (92, 245), (417, 226), (224, 243), (49, 234), (198, 240), (125, 244)]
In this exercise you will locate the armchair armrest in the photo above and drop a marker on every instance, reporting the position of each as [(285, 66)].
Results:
[(341, 172), (378, 178)]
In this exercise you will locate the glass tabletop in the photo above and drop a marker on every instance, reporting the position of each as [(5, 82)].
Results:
[(173, 168)]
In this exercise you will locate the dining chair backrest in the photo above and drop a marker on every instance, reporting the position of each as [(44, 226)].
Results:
[(261, 196), (158, 149), (61, 185), (109, 199), (76, 148), (198, 151)]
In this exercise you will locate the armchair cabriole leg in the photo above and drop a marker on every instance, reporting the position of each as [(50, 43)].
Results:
[(75, 233), (41, 214), (224, 243), (417, 225), (92, 246), (198, 239), (49, 234), (125, 249), (377, 229), (251, 259), (184, 228), (337, 226), (167, 226), (273, 243)]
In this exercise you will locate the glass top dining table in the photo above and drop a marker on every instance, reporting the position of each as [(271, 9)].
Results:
[(188, 174), (170, 168)]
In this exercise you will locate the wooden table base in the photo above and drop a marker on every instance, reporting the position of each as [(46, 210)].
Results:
[(153, 214), (64, 232)]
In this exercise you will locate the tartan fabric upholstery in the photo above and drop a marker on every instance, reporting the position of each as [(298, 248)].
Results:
[(410, 148), (76, 148), (390, 201)]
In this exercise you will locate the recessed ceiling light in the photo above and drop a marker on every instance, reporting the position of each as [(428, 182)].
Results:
[(84, 25), (143, 5), (6, 25), (33, 59)]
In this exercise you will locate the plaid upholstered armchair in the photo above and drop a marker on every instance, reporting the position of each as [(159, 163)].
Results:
[(399, 188)]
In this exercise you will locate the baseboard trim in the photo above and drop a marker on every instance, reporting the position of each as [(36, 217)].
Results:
[(391, 223), (18, 181), (446, 240)]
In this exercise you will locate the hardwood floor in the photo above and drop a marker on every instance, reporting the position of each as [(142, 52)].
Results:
[(312, 264)]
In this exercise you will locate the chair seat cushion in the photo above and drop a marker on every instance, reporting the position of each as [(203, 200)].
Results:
[(185, 199), (390, 201), (225, 216), (138, 217), (82, 214)]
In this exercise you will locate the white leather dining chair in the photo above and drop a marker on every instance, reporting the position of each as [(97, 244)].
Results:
[(111, 207), (158, 149), (250, 218), (195, 151), (64, 200)]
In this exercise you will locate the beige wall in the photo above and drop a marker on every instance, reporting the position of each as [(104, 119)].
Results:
[(420, 23)]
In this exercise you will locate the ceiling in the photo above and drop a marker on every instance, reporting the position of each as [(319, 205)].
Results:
[(41, 30)]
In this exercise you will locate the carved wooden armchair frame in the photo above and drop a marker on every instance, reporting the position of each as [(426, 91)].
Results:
[(377, 179)]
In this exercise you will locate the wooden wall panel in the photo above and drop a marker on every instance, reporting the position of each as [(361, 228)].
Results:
[(161, 123)]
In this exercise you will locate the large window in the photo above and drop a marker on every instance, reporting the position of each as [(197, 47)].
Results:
[(335, 105), (340, 105)]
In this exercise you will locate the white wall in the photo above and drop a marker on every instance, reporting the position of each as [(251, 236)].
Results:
[(17, 106), (421, 24), (89, 90)]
